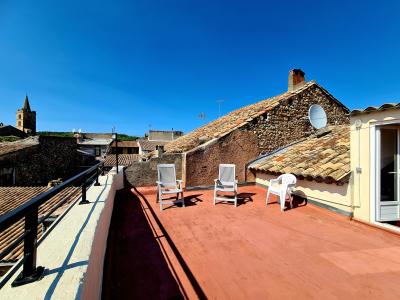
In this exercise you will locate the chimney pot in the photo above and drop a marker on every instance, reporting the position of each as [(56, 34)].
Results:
[(296, 79)]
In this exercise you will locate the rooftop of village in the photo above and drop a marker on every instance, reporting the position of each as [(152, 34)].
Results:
[(275, 199)]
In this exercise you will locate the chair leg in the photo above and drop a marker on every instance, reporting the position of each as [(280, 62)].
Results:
[(266, 201), (282, 200), (235, 199), (160, 200), (183, 199), (215, 196), (291, 200)]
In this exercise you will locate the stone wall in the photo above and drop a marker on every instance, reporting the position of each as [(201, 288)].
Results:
[(52, 158), (144, 173), (289, 122), (276, 128), (238, 147)]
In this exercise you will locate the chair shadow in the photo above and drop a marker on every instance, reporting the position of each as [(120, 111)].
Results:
[(190, 200), (243, 198), (299, 200)]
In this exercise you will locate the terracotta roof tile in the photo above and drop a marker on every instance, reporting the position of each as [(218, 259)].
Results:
[(12, 197), (151, 145), (10, 147), (123, 159), (370, 109), (126, 144), (325, 157)]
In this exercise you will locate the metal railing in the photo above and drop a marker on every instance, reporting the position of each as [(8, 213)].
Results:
[(29, 211)]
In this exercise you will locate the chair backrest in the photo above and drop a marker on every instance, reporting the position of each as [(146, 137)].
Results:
[(226, 173), (166, 174), (287, 179)]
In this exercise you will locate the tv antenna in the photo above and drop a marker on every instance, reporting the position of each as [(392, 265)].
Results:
[(219, 106)]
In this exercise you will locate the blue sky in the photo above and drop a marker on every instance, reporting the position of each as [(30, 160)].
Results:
[(135, 64)]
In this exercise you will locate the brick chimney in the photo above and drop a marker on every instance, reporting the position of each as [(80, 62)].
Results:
[(296, 79)]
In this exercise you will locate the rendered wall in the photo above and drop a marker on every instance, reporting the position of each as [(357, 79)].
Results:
[(360, 148), (94, 274), (335, 196)]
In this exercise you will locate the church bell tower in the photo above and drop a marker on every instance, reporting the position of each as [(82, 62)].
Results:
[(26, 118)]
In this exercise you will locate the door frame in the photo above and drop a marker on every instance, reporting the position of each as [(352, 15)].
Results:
[(374, 178)]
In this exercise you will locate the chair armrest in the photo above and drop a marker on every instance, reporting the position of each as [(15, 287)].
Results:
[(273, 181)]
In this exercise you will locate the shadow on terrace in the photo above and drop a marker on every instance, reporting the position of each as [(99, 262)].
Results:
[(251, 251)]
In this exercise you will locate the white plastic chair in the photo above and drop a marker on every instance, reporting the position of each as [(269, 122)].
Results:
[(168, 185), (226, 182), (281, 187)]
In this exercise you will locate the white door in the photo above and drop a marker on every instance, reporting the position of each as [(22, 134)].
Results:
[(388, 204)]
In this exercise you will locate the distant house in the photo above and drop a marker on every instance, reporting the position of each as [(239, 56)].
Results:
[(11, 131), (147, 146), (246, 133), (125, 147), (37, 160), (163, 135), (97, 144)]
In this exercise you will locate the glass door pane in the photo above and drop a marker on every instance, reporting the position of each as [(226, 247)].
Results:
[(388, 163)]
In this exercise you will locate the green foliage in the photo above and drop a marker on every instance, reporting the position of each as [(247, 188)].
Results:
[(10, 138), (125, 137), (121, 136), (55, 133)]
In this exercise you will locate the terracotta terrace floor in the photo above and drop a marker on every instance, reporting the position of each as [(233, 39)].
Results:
[(248, 252)]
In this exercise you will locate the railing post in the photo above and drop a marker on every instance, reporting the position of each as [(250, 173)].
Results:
[(97, 177), (102, 169), (30, 272), (84, 200)]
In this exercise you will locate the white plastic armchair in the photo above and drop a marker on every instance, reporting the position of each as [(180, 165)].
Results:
[(167, 184), (226, 182), (281, 187)]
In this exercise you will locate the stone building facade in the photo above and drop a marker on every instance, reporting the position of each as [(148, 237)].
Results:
[(26, 118), (37, 160), (242, 135)]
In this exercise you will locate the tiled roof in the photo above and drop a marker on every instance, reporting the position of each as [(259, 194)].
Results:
[(123, 159), (151, 145), (10, 147), (126, 144), (322, 157), (12, 197), (232, 121), (369, 109)]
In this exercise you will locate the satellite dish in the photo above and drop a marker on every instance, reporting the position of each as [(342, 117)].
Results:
[(317, 116)]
